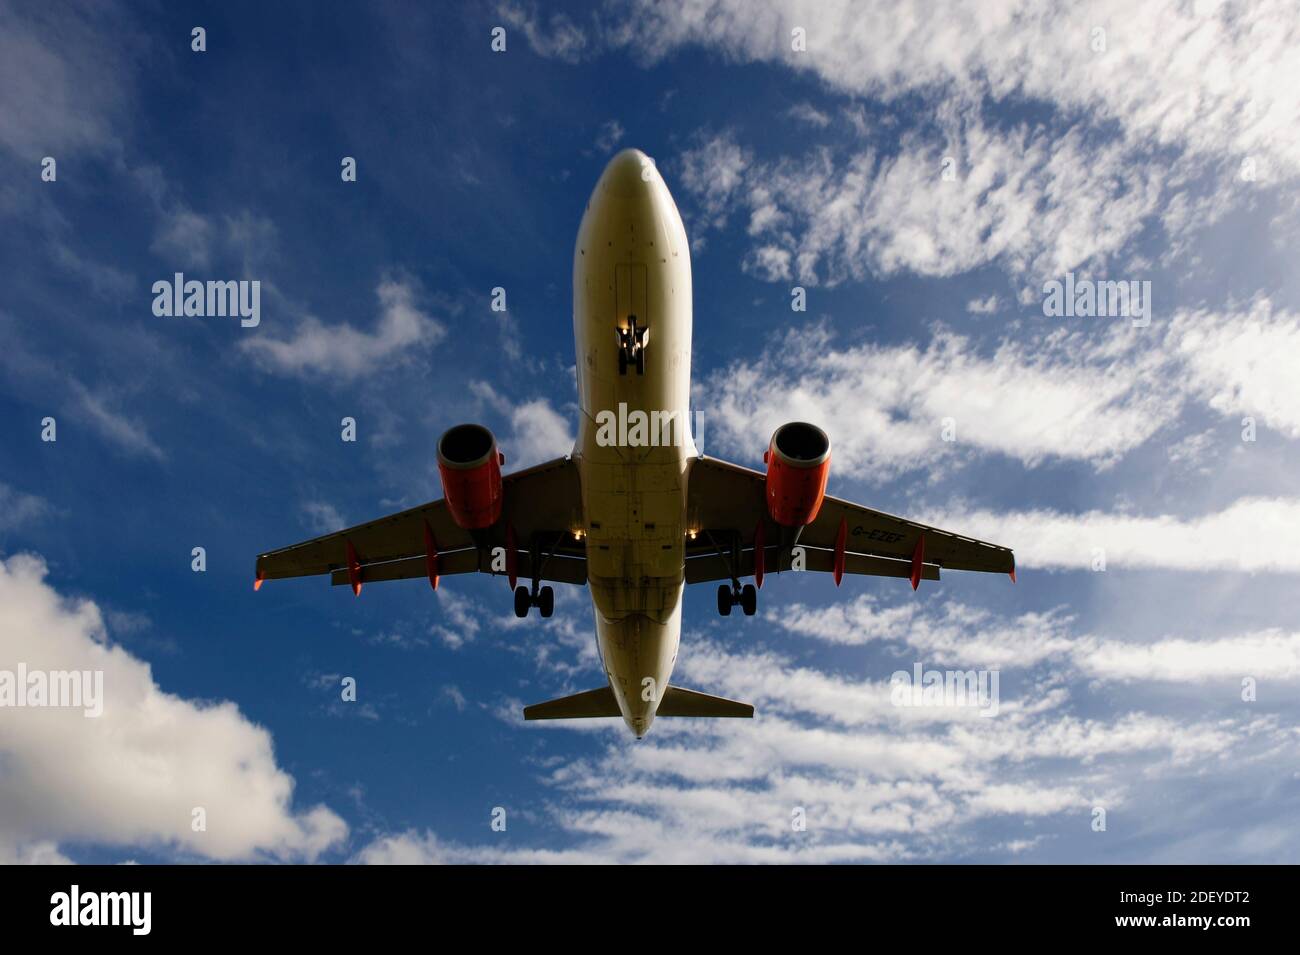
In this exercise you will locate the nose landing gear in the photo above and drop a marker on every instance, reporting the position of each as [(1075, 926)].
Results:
[(631, 347)]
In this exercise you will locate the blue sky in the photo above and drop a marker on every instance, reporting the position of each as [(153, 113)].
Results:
[(1161, 150)]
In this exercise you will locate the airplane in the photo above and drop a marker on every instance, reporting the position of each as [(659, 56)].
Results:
[(633, 517)]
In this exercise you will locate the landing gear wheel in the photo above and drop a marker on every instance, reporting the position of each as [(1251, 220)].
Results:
[(522, 601), (724, 600), (546, 601), (749, 600)]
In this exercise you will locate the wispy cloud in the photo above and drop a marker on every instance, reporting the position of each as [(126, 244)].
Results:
[(316, 348), (1251, 534)]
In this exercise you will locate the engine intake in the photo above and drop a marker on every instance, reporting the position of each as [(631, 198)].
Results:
[(470, 466), (798, 466)]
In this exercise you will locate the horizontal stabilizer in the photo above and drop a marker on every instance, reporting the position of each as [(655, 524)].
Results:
[(580, 706), (676, 701), (679, 701)]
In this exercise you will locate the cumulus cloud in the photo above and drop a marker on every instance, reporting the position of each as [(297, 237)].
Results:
[(316, 348), (134, 775), (538, 433)]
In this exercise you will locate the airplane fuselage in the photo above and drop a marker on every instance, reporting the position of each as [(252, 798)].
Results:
[(634, 444)]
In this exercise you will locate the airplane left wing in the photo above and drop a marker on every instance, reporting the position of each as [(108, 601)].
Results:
[(726, 497), (540, 507)]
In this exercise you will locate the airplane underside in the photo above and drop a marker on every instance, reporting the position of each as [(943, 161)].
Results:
[(634, 512)]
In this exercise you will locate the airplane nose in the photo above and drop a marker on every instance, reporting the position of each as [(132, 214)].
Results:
[(629, 174)]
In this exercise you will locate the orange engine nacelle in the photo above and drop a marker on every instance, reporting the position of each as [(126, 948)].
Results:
[(798, 465), (470, 466)]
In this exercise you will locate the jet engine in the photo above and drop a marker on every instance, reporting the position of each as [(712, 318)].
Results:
[(798, 465), (470, 466)]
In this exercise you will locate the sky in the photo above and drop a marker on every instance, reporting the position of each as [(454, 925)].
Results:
[(922, 172)]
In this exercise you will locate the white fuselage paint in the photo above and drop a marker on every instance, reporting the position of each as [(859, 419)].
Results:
[(632, 257)]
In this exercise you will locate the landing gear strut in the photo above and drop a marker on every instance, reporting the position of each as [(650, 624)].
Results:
[(734, 595), (543, 598), (631, 347)]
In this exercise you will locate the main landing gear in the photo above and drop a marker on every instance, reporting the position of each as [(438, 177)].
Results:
[(745, 597), (733, 595), (542, 598), (631, 347)]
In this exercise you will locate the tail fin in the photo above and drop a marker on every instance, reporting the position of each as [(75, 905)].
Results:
[(679, 701), (676, 701)]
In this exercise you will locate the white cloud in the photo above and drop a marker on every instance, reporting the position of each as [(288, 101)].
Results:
[(133, 776), (346, 351), (873, 785), (18, 508), (538, 433), (462, 616), (66, 96), (557, 37), (1034, 201), (1063, 396), (1244, 362), (1251, 534), (983, 306), (1269, 654), (1040, 392), (609, 135), (1218, 81), (955, 634), (807, 113), (323, 517), (127, 433), (184, 236)]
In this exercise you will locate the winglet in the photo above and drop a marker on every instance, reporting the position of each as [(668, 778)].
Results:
[(354, 570), (1013, 575), (257, 581), (918, 559)]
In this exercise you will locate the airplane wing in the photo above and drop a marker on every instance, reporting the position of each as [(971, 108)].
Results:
[(541, 507), (727, 504)]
